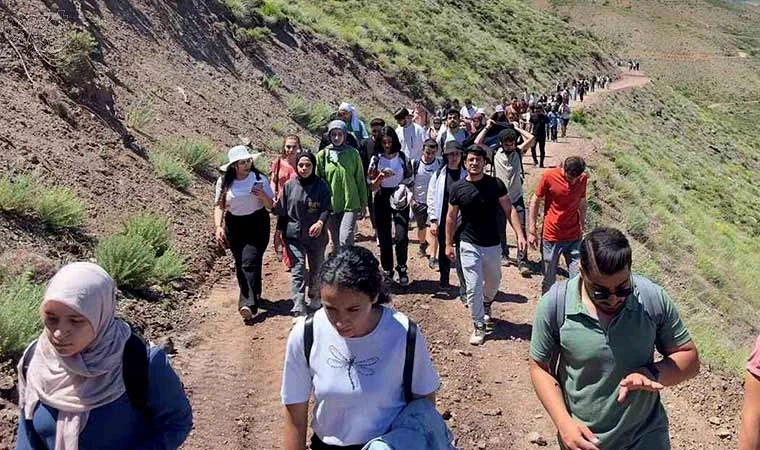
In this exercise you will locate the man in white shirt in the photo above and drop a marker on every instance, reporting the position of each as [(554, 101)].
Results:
[(451, 130), (410, 134), (468, 110)]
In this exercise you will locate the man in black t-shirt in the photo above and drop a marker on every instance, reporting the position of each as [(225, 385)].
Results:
[(478, 198), (366, 151)]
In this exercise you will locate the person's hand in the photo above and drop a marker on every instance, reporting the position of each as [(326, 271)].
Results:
[(516, 125), (637, 381), (221, 237), (450, 252), (489, 124), (364, 212), (316, 229), (577, 436), (522, 246), (433, 227), (258, 191), (532, 240), (414, 203)]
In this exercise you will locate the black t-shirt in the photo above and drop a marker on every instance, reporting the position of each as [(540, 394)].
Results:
[(539, 123), (366, 151), (478, 202)]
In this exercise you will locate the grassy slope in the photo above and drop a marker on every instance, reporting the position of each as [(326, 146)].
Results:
[(683, 177), (442, 48)]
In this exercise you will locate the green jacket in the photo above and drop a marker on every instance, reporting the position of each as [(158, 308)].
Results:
[(345, 178)]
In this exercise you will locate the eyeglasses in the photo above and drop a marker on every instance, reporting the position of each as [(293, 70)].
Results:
[(602, 293)]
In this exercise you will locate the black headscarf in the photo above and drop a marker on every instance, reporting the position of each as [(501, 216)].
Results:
[(311, 178)]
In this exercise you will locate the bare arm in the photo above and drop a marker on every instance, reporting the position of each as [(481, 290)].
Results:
[(514, 218), (749, 433), (548, 392), (451, 224), (533, 214), (218, 216), (679, 364), (296, 422), (528, 139), (482, 135)]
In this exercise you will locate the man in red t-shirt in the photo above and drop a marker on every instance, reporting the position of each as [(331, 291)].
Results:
[(564, 193)]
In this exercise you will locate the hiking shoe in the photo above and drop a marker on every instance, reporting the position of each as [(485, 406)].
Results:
[(433, 263), (444, 291), (403, 278), (524, 271), (388, 276), (478, 334), (505, 260), (246, 313)]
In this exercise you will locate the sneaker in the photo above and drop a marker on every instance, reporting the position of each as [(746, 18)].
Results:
[(422, 250), (478, 334), (246, 313), (388, 275), (433, 263), (403, 278), (444, 291), (524, 271), (505, 260)]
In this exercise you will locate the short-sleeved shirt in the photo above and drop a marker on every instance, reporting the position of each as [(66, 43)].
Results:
[(562, 218), (594, 361), (357, 382), (478, 202), (422, 178), (240, 200), (507, 167), (754, 360)]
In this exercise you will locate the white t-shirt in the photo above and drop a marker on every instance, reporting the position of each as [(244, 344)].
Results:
[(393, 164), (507, 169), (240, 200), (357, 382), (422, 179)]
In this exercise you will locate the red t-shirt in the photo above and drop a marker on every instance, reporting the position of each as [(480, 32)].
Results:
[(754, 360), (282, 172), (562, 219)]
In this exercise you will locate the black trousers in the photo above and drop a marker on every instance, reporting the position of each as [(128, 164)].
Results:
[(540, 142), (317, 444), (248, 237), (386, 219)]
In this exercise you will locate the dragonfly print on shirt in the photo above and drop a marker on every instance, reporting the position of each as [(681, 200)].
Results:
[(363, 367)]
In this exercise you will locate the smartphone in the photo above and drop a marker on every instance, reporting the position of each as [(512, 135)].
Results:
[(388, 172)]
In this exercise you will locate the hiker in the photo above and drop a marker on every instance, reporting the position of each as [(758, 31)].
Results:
[(242, 197), (563, 190), (88, 373), (410, 134), (749, 435), (581, 90), (341, 166), (438, 206), (468, 110), (366, 151), (348, 114), (390, 175), (352, 356), (452, 130), (565, 114), (283, 170), (423, 170), (478, 197), (592, 348), (303, 211), (421, 114), (351, 141), (538, 122), (432, 132), (443, 110), (498, 114), (478, 122), (455, 105), (507, 167), (553, 123)]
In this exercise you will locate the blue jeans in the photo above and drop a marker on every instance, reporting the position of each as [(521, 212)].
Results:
[(551, 251)]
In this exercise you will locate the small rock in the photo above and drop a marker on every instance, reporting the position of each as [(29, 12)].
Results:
[(463, 352), (482, 445), (446, 415), (492, 412), (537, 439), (724, 433), (714, 420)]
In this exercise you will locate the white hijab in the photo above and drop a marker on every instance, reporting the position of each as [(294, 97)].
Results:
[(76, 384), (355, 124)]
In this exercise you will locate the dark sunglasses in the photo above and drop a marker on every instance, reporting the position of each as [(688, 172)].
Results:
[(600, 294)]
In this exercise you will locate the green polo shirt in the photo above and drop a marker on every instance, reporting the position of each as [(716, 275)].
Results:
[(593, 361)]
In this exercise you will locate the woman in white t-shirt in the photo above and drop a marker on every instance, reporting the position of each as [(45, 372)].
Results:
[(243, 195), (356, 360)]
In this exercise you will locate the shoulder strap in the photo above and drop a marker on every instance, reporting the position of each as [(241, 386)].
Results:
[(135, 370), (649, 295), (308, 337), (415, 166), (558, 301), (411, 343), (28, 358)]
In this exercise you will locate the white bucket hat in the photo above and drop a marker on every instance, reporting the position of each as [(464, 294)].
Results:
[(235, 154)]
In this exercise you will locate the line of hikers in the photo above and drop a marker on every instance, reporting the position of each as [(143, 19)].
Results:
[(91, 381)]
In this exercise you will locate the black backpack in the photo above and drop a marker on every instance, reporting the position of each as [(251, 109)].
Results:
[(134, 370), (411, 342)]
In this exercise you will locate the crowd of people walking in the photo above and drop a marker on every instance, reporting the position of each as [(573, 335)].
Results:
[(455, 175)]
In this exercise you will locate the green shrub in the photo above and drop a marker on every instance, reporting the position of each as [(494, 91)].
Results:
[(20, 322), (171, 169), (637, 223), (140, 115), (198, 154), (245, 35), (15, 193), (76, 54), (310, 115), (129, 259), (59, 207), (169, 267), (154, 229), (271, 81), (578, 116)]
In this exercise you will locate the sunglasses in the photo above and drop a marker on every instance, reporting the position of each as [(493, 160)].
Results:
[(601, 293)]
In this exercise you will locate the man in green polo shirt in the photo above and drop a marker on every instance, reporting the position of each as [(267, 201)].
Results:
[(592, 352)]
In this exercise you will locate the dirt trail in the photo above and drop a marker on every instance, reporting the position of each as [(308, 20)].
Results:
[(232, 372)]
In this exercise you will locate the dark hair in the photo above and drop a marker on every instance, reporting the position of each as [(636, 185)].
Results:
[(574, 166), (430, 143), (499, 117), (391, 133), (475, 150), (357, 269), (605, 251), (453, 111), (508, 134), (229, 177), (467, 100), (377, 122)]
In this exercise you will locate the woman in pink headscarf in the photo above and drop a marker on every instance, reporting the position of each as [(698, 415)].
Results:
[(88, 382)]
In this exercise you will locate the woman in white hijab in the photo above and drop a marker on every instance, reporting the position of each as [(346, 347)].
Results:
[(88, 383), (354, 125)]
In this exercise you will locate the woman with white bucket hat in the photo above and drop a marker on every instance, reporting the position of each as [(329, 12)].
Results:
[(242, 197)]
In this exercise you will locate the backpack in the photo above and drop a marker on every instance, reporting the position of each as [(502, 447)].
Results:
[(411, 341), (134, 370), (647, 292)]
